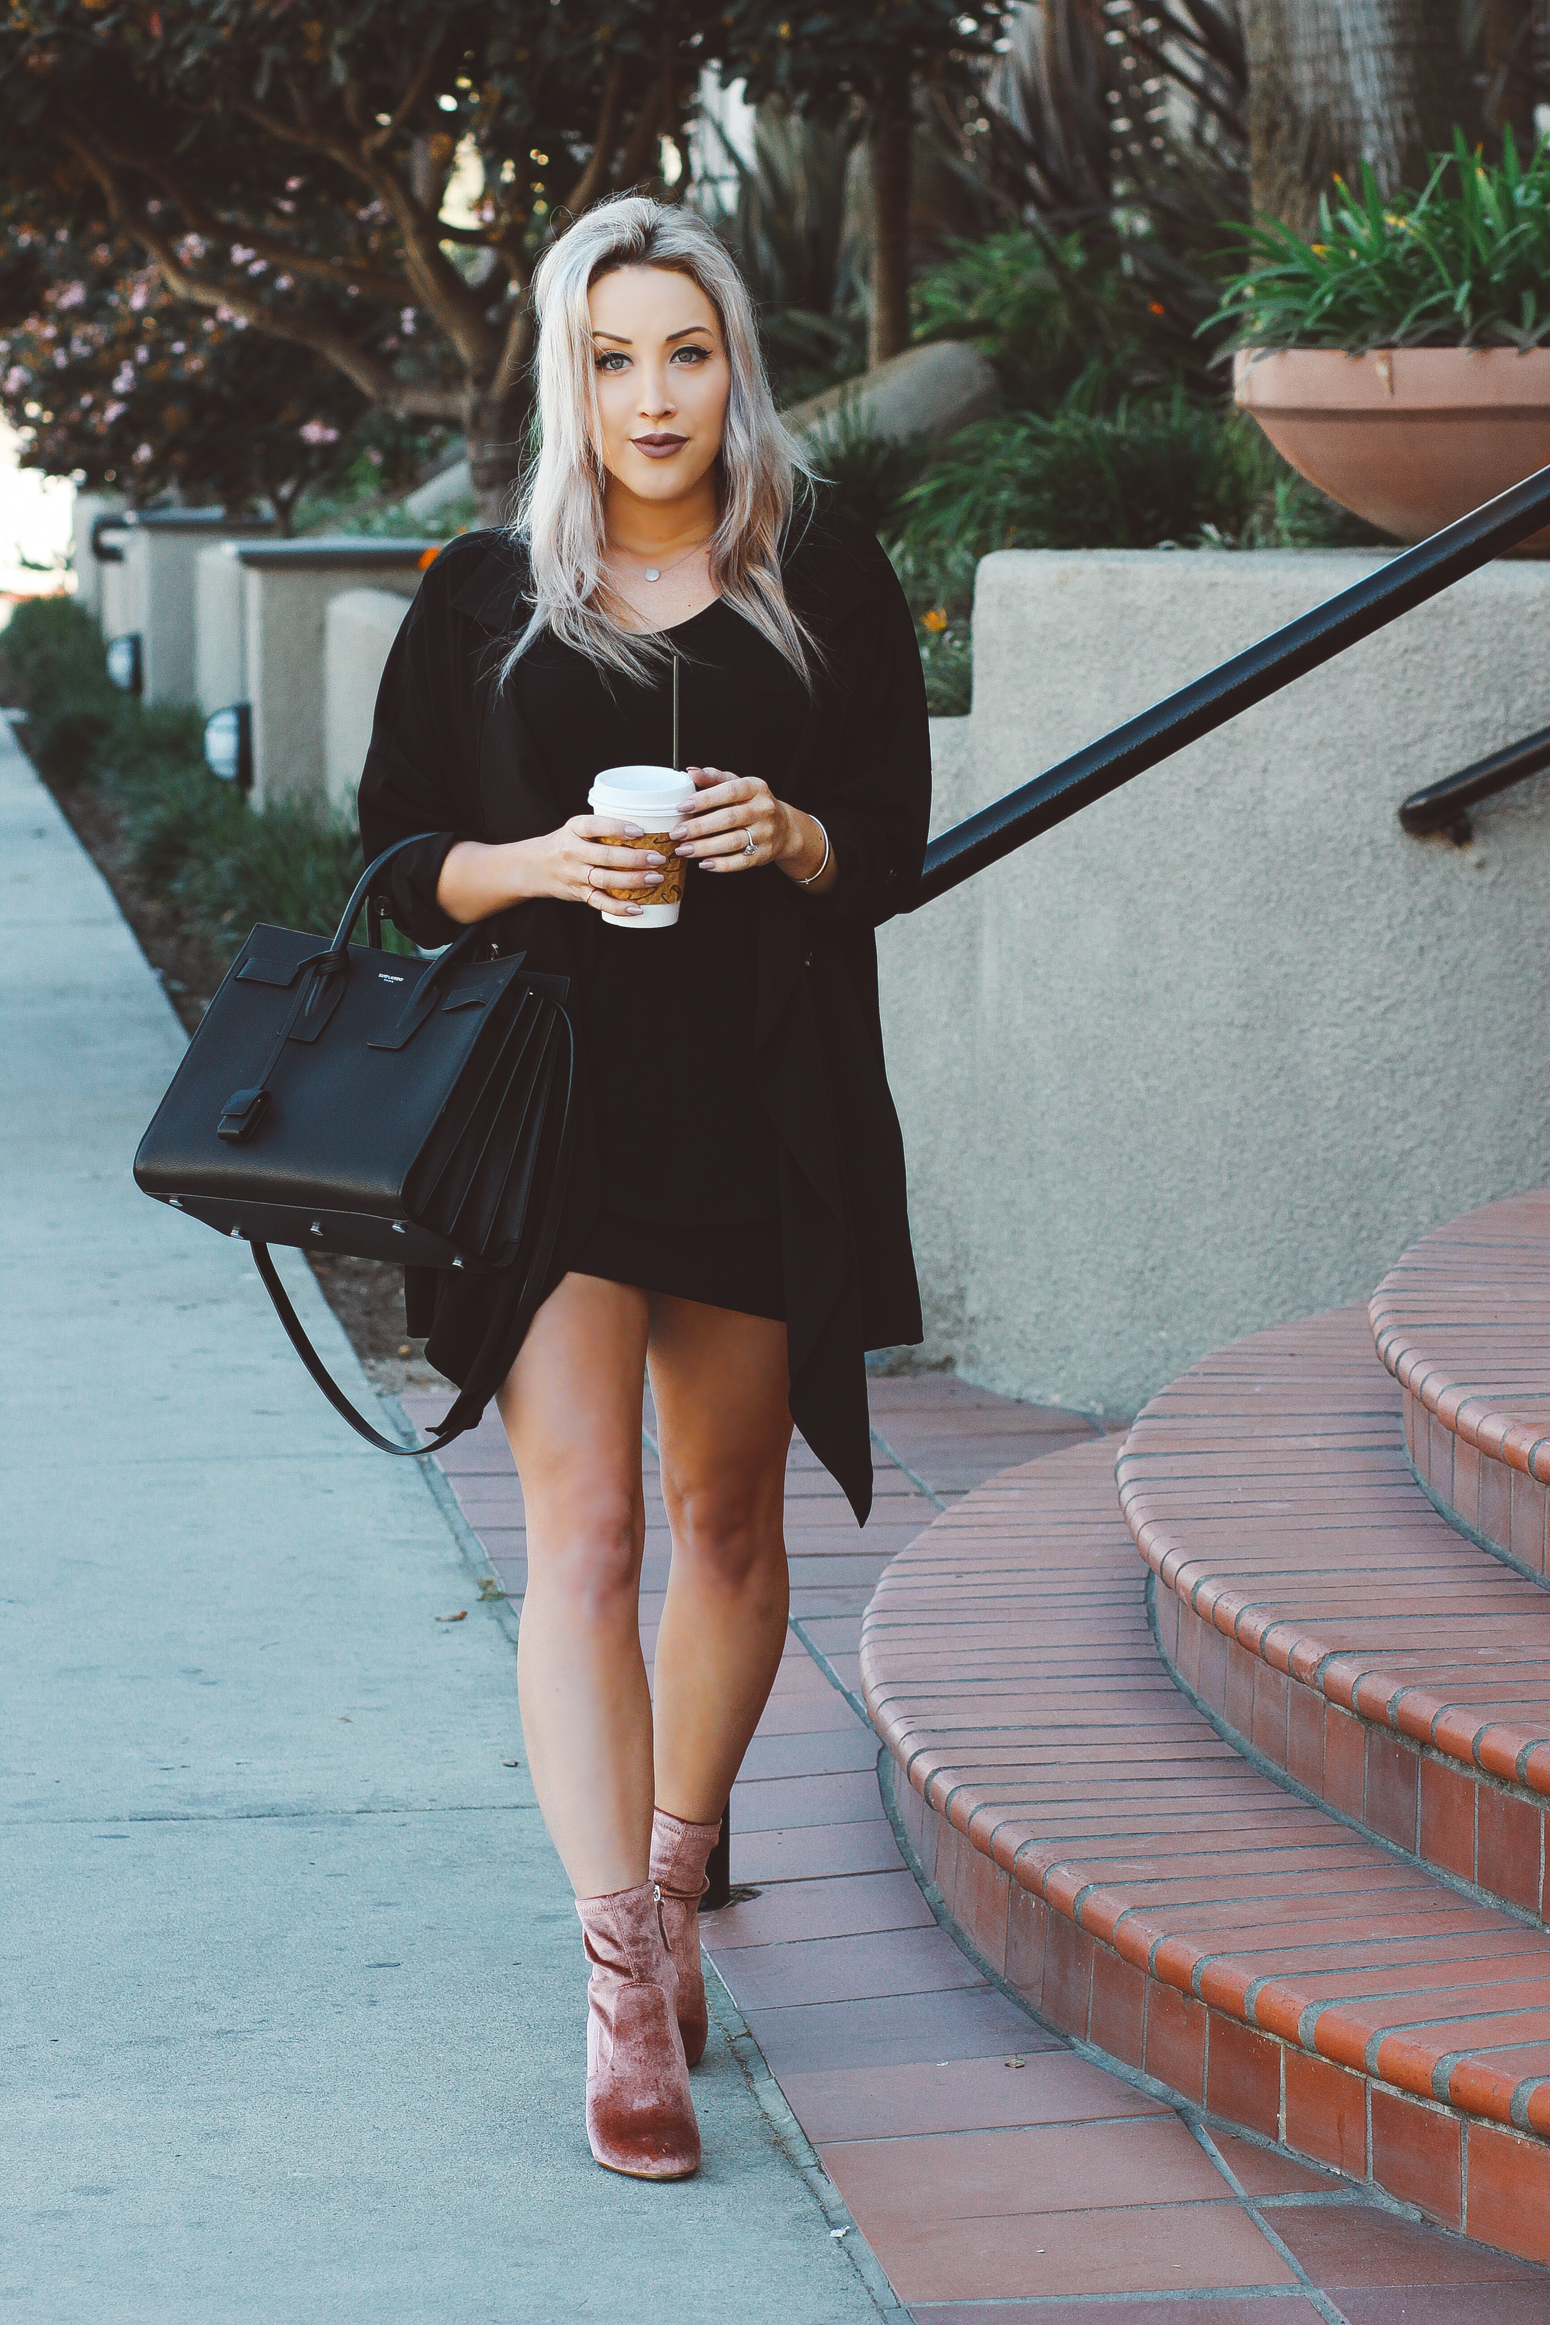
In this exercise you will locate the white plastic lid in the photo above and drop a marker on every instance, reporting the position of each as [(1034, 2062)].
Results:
[(635, 792)]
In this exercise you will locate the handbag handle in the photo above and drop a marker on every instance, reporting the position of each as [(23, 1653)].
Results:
[(245, 1109), (367, 888), (510, 1313)]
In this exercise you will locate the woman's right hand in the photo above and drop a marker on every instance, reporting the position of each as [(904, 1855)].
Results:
[(579, 863), (583, 860)]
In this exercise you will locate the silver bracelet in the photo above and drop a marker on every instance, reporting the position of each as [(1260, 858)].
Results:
[(824, 866)]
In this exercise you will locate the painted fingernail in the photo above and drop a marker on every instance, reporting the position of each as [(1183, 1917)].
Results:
[(634, 831), (652, 857), (653, 879)]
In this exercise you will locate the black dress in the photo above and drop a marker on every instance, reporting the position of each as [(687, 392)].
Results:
[(454, 755), (687, 1175)]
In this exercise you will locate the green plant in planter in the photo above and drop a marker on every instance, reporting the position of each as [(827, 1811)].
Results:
[(1463, 263)]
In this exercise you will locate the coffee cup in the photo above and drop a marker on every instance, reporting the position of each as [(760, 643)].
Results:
[(651, 798)]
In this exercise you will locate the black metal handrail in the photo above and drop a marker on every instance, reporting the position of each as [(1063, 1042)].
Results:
[(1408, 580), (1444, 806)]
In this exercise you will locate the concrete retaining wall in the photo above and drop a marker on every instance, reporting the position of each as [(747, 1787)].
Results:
[(1213, 1053)]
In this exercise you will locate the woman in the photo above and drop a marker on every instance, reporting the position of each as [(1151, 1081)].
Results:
[(735, 1218)]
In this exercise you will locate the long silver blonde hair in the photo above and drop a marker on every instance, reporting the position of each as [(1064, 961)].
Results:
[(760, 471)]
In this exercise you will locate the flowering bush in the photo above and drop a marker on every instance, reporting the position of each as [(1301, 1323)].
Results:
[(106, 377)]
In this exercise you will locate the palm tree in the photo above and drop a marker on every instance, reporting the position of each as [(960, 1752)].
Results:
[(1334, 83)]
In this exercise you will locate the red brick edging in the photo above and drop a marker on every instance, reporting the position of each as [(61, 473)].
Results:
[(1390, 1744), (1106, 1976), (1463, 1324)]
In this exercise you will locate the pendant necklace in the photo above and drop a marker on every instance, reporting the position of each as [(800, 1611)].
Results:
[(655, 572)]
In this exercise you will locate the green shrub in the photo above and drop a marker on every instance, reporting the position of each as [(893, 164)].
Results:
[(1463, 263), (1045, 313), (211, 862), (51, 667), (1155, 470), (866, 476)]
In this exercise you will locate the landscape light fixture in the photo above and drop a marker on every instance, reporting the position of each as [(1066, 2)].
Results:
[(126, 664), (229, 744), (107, 540)]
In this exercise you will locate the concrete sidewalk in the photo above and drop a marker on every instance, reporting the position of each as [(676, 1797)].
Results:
[(291, 1982)]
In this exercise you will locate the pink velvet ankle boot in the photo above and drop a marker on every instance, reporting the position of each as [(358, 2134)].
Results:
[(678, 1855), (640, 2117)]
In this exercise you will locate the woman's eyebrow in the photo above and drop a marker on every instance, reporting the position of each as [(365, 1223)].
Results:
[(619, 338)]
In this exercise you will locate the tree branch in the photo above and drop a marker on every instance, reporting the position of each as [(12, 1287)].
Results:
[(514, 354), (432, 277), (595, 176), (375, 379), (406, 103), (641, 136), (371, 281)]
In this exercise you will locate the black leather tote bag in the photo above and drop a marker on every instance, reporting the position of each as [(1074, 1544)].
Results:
[(342, 1098)]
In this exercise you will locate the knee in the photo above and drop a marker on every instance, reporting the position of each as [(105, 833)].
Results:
[(587, 1551), (729, 1528)]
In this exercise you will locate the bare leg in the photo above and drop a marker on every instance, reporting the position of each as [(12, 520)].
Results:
[(572, 1407), (720, 1383)]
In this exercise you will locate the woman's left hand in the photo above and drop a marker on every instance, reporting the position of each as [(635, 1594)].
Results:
[(735, 824)]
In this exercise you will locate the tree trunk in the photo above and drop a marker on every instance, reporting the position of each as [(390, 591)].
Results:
[(889, 138), (1334, 83), (497, 434), (1507, 69)]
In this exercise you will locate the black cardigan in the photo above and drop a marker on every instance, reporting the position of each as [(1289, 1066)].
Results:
[(450, 755)]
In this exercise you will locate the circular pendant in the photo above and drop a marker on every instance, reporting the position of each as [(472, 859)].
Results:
[(653, 573)]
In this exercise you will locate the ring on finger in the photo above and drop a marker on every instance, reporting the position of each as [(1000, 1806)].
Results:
[(748, 840)]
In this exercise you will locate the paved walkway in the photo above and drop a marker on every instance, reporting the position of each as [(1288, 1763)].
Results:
[(291, 1996)]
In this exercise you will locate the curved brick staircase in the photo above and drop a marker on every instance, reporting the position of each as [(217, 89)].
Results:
[(1261, 1814)]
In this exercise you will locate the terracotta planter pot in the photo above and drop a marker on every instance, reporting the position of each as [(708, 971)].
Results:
[(1407, 437)]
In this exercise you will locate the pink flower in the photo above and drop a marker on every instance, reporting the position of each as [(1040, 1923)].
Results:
[(319, 432)]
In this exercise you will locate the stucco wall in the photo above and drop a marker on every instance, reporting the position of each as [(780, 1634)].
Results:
[(1215, 1051)]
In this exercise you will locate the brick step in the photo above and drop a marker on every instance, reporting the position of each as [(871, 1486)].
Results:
[(1145, 1889), (1463, 1324), (1315, 1602)]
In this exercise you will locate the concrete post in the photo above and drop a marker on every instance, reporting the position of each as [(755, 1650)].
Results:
[(162, 552), (288, 587), (90, 571), (220, 661), (361, 625)]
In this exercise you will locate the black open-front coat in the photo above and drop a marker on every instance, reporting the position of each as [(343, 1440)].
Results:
[(451, 756)]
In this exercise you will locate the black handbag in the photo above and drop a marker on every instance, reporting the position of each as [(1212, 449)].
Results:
[(343, 1098)]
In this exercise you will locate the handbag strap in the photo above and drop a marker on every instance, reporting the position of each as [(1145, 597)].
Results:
[(511, 1315)]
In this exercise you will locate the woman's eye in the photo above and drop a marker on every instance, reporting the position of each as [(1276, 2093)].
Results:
[(612, 361), (691, 354)]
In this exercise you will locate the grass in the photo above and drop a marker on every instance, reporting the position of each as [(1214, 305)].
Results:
[(1463, 263), (206, 862)]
